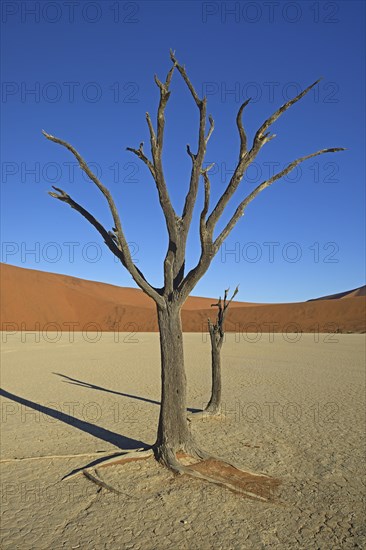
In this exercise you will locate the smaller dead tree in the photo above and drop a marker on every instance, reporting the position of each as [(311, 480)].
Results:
[(217, 334)]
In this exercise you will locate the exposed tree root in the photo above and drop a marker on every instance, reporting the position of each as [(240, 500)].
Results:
[(213, 409), (118, 458), (219, 472), (128, 456), (216, 414), (100, 483), (195, 463), (46, 457)]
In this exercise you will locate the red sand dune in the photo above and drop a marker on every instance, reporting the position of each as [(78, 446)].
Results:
[(36, 300), (341, 295)]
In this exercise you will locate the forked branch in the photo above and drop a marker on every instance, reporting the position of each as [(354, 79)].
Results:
[(262, 137), (242, 133), (206, 201), (140, 154), (243, 162), (262, 134), (221, 314), (197, 158), (240, 209), (84, 166), (182, 71), (117, 245), (156, 145)]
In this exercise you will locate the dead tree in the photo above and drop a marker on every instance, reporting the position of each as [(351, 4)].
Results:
[(173, 434), (217, 335)]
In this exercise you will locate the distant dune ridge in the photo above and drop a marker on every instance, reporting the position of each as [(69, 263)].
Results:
[(36, 300)]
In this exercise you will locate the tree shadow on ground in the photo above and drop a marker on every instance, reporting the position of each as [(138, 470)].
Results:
[(120, 441), (213, 470), (76, 382)]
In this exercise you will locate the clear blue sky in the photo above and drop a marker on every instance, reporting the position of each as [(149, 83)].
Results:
[(91, 65)]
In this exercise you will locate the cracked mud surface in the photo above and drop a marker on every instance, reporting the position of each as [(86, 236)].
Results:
[(293, 411)]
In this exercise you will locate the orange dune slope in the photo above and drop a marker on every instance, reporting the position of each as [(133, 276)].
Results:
[(36, 300)]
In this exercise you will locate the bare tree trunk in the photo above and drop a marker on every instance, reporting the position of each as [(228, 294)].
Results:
[(173, 429), (217, 335), (214, 405)]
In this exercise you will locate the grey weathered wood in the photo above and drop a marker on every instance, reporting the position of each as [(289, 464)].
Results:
[(217, 335)]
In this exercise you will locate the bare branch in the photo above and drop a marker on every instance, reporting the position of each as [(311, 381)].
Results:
[(234, 294), (225, 296), (211, 247), (208, 252), (206, 202), (240, 209), (140, 154), (192, 155), (205, 238), (226, 302), (245, 158), (152, 132), (242, 134), (197, 162), (156, 145), (212, 126), (120, 248), (243, 162), (117, 244), (164, 96), (197, 159), (218, 327), (83, 165), (261, 133), (156, 140), (169, 76), (185, 77), (174, 259)]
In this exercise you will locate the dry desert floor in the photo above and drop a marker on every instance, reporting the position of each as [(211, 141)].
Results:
[(294, 410)]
